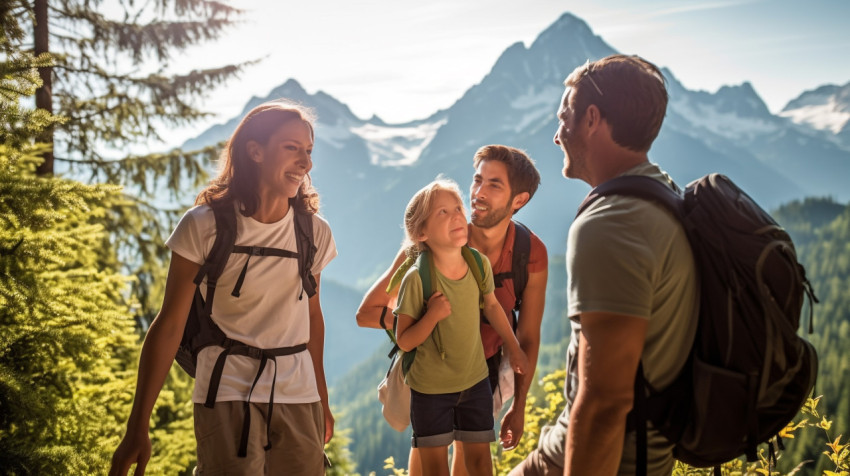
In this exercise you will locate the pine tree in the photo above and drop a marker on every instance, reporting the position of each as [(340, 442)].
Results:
[(64, 320), (68, 346), (113, 83), (95, 82)]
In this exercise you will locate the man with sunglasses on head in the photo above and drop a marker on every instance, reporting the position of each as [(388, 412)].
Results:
[(632, 284)]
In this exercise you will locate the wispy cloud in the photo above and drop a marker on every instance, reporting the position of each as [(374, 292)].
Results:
[(699, 7)]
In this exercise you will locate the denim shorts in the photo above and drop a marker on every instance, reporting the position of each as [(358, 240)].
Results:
[(439, 419)]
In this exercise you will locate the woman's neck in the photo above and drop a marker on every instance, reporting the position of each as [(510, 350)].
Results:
[(271, 209)]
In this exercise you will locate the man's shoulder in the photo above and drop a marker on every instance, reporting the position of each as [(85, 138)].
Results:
[(620, 211)]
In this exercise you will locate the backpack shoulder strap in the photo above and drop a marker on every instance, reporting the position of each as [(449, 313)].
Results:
[(519, 263), (638, 186), (225, 237), (399, 273), (476, 266), (427, 273), (306, 248)]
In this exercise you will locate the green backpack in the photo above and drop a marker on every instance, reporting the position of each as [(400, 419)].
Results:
[(427, 274)]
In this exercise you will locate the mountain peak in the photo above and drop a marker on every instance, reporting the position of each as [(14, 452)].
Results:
[(290, 89), (742, 100), (826, 108), (568, 29), (837, 96)]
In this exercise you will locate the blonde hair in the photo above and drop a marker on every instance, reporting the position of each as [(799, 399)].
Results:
[(419, 208)]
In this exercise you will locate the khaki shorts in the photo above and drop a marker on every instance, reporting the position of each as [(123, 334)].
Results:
[(297, 439)]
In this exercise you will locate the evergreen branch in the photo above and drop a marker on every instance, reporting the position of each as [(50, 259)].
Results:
[(176, 171), (158, 37), (196, 82), (209, 7)]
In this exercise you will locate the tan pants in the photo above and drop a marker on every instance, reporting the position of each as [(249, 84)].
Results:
[(297, 439)]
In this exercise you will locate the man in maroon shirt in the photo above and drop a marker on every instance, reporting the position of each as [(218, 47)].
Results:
[(505, 179)]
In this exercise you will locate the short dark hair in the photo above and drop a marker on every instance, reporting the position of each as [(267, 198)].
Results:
[(522, 174), (631, 95)]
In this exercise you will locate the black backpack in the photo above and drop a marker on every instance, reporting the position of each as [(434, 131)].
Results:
[(749, 372), (201, 332)]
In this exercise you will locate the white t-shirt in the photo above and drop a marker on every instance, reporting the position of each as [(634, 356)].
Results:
[(267, 314)]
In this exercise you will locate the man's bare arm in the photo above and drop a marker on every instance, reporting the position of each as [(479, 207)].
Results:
[(610, 348), (377, 304)]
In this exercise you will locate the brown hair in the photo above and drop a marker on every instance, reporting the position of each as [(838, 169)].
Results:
[(522, 174), (630, 93), (418, 209), (238, 175)]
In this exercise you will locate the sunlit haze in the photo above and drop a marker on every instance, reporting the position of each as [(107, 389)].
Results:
[(404, 60)]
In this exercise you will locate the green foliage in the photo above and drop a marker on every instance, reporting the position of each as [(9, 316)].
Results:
[(339, 454), (374, 440), (542, 407), (66, 335), (115, 85), (821, 232), (68, 346), (112, 75)]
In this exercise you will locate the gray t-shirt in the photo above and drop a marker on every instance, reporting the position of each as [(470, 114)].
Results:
[(631, 256)]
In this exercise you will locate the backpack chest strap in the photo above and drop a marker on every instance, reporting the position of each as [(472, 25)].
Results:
[(256, 251)]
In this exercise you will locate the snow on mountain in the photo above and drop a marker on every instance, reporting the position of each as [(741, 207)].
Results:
[(826, 108), (397, 145), (733, 112), (366, 170), (821, 117), (535, 105)]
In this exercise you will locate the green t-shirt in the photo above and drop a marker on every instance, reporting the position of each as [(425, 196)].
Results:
[(451, 359)]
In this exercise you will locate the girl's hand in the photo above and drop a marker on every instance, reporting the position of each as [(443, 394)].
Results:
[(519, 362), (439, 306)]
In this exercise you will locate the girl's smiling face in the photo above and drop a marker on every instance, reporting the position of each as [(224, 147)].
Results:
[(446, 225)]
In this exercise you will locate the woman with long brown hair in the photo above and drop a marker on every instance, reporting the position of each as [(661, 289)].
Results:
[(260, 399)]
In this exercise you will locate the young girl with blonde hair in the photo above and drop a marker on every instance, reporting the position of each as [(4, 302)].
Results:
[(450, 390)]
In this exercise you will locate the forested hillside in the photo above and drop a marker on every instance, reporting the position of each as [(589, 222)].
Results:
[(821, 232)]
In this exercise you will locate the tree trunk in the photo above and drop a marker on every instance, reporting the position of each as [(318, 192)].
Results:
[(44, 94)]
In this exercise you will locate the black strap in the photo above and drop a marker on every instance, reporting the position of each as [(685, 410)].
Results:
[(752, 416), (381, 320), (263, 251), (306, 249), (519, 263), (638, 186), (256, 251), (225, 236), (234, 347), (521, 256), (211, 284), (246, 406), (639, 416)]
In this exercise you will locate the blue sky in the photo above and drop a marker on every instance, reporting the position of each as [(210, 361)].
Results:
[(404, 59)]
